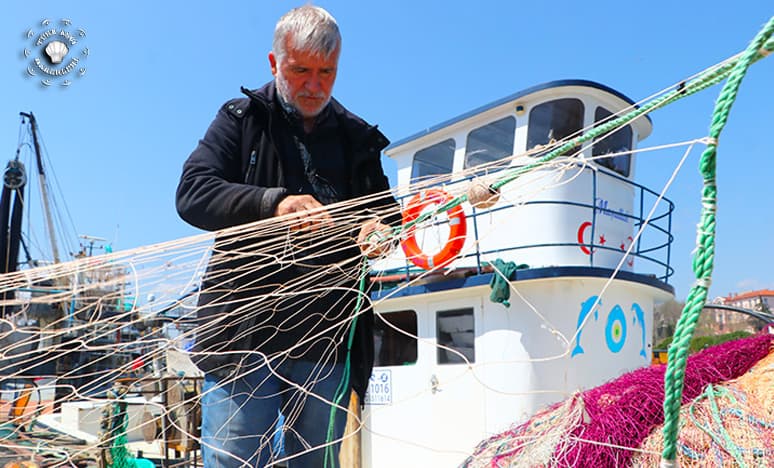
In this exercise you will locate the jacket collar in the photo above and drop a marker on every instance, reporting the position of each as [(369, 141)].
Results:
[(363, 137)]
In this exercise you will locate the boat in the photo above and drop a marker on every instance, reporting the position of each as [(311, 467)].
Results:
[(67, 334), (589, 250)]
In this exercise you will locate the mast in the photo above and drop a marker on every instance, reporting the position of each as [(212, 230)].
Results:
[(43, 187)]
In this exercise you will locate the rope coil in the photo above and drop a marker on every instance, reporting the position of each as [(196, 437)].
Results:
[(481, 194)]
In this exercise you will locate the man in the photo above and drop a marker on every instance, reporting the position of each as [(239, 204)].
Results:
[(276, 303)]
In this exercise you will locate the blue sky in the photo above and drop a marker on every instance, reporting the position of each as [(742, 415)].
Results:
[(157, 72)]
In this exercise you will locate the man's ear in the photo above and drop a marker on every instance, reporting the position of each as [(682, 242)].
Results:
[(273, 63)]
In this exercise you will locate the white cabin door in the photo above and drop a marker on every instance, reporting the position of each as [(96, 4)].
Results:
[(456, 399), (425, 406), (397, 414)]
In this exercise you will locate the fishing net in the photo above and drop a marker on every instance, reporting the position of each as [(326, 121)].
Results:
[(606, 426), (730, 424), (82, 336), (72, 332), (114, 333)]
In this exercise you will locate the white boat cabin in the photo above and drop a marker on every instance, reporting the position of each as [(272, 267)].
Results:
[(452, 366)]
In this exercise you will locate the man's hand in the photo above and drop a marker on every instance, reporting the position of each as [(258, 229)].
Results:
[(307, 212), (374, 239)]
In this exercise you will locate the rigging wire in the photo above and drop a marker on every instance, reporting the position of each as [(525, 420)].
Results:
[(58, 200)]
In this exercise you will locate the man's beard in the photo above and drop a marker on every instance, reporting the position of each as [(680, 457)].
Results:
[(284, 92)]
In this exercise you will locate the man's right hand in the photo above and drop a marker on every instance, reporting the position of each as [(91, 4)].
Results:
[(307, 212)]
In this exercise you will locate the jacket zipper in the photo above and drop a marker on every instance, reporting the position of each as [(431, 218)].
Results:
[(251, 168)]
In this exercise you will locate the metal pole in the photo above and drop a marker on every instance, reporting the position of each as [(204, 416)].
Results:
[(43, 187)]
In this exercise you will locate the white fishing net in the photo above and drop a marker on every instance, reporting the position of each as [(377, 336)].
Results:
[(95, 352)]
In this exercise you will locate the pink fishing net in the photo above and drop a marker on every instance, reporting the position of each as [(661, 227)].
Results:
[(605, 426)]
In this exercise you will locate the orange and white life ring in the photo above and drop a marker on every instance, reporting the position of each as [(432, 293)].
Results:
[(457, 230)]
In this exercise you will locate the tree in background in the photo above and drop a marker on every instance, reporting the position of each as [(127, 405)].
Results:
[(709, 329), (665, 318)]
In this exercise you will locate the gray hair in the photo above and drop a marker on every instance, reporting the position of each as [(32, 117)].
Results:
[(310, 29)]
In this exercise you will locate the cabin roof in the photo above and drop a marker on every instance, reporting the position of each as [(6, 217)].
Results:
[(513, 97)]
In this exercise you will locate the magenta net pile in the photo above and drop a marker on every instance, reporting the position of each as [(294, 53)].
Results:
[(595, 428)]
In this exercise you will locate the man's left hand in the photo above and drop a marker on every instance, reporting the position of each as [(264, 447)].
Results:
[(374, 239)]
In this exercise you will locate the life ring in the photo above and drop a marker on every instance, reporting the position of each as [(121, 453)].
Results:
[(457, 230)]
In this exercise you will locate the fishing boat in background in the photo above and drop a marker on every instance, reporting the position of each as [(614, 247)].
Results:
[(69, 314), (60, 344)]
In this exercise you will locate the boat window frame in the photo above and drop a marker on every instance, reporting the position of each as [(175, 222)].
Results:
[(400, 341), (531, 127), (622, 163), (443, 355), (484, 127), (451, 142)]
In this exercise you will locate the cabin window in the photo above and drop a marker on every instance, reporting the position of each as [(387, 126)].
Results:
[(395, 338), (553, 121), (619, 141), (434, 160), (491, 142), (455, 334)]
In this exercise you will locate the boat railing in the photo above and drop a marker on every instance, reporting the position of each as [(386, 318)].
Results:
[(652, 249)]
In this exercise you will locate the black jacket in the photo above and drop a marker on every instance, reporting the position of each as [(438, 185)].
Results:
[(237, 175)]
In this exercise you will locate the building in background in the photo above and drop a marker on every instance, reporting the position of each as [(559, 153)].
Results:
[(726, 320), (761, 300)]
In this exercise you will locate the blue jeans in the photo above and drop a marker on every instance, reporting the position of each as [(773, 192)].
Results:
[(240, 415)]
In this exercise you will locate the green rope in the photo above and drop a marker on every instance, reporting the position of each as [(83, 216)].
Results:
[(704, 257), (723, 439), (119, 455), (115, 427), (501, 288), (342, 389)]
